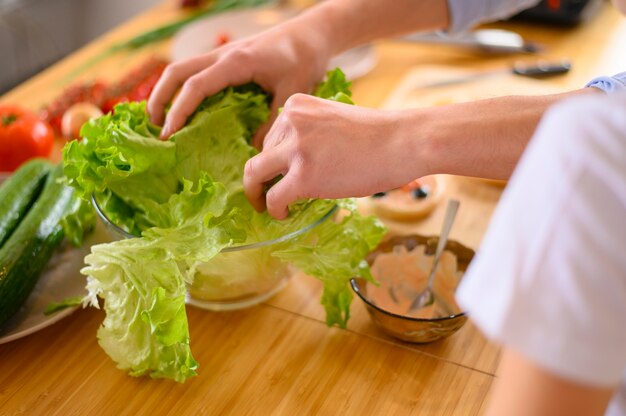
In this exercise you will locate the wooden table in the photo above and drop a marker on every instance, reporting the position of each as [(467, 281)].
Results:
[(279, 357)]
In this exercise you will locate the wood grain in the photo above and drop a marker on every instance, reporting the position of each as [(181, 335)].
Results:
[(280, 358), (467, 347), (258, 361)]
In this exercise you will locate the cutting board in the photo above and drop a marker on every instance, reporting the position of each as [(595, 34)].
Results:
[(413, 92)]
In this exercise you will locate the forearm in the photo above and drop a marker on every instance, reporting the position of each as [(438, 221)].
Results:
[(524, 388), (347, 23), (483, 138)]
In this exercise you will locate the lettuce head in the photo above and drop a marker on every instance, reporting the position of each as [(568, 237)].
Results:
[(183, 199)]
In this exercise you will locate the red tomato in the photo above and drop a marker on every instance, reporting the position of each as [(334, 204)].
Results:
[(414, 184), (222, 38), (23, 136)]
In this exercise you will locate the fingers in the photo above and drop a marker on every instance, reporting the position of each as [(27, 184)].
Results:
[(258, 171), (205, 83), (173, 77), (283, 193)]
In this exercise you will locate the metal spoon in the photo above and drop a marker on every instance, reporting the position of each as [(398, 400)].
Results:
[(427, 297)]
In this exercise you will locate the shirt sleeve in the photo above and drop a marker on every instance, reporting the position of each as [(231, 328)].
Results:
[(550, 277), (609, 84), (466, 13)]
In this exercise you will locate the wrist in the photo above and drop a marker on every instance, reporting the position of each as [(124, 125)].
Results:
[(331, 25), (415, 144), (315, 29), (344, 24), (450, 139)]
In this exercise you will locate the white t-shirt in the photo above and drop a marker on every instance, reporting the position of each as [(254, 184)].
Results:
[(550, 277)]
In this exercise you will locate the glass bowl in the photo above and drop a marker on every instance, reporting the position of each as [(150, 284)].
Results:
[(399, 323), (258, 276)]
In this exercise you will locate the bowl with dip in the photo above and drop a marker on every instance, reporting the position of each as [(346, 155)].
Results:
[(401, 265)]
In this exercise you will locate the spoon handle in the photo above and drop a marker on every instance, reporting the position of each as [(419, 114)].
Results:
[(451, 210)]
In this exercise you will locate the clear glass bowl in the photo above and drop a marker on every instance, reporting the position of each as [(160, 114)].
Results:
[(409, 328), (258, 276)]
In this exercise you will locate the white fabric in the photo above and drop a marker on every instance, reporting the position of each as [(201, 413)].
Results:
[(550, 277), (466, 13)]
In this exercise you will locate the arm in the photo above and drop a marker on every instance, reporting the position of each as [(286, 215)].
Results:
[(347, 23), (482, 138), (523, 388), (331, 150), (289, 58), (292, 57)]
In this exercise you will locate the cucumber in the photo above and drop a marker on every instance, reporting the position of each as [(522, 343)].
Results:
[(26, 253), (18, 193)]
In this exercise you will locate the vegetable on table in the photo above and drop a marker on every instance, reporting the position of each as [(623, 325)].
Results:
[(169, 30), (166, 31), (93, 92), (27, 251), (222, 38), (184, 198), (77, 115), (23, 136), (136, 85), (190, 3), (55, 307), (18, 193)]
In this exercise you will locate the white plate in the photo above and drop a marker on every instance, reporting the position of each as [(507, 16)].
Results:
[(60, 280), (201, 37)]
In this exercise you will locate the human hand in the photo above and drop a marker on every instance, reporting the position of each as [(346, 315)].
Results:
[(325, 149), (284, 60)]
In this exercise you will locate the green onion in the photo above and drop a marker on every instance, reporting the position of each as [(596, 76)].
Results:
[(169, 30), (163, 32)]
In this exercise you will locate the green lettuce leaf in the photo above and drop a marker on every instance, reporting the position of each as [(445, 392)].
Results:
[(121, 154), (222, 127), (184, 200), (79, 221), (143, 281), (334, 252), (64, 304), (335, 88)]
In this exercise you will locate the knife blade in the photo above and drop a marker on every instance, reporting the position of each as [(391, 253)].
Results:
[(539, 69), (487, 40)]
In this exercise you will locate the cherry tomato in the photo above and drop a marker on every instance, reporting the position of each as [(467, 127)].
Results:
[(23, 136), (414, 184), (222, 38)]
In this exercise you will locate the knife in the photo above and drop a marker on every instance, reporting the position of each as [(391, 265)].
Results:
[(539, 69), (488, 40)]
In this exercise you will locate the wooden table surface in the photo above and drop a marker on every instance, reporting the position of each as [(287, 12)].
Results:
[(279, 357)]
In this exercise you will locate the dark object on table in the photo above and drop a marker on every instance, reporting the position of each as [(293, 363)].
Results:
[(561, 12)]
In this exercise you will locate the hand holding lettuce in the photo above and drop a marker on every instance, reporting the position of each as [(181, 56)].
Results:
[(185, 198)]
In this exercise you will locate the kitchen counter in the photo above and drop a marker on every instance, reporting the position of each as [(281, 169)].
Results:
[(280, 357)]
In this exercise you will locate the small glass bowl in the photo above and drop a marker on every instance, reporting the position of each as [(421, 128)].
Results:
[(404, 327), (259, 276)]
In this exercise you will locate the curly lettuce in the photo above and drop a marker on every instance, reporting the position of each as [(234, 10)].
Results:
[(183, 199)]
